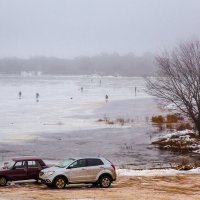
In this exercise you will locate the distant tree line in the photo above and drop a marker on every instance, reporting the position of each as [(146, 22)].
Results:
[(102, 64)]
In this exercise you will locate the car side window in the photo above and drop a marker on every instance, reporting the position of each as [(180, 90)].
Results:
[(32, 163), (78, 163), (20, 164), (94, 162)]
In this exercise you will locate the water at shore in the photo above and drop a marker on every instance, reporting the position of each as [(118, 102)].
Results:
[(63, 122)]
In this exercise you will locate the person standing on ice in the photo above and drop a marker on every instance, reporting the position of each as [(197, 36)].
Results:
[(37, 97), (20, 94), (106, 98), (135, 91)]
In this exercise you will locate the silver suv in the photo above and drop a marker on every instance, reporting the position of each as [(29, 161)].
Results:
[(98, 171)]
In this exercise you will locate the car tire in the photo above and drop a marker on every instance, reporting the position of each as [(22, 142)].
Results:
[(60, 183), (105, 181), (3, 181)]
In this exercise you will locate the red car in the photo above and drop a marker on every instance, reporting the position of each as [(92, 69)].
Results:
[(21, 168)]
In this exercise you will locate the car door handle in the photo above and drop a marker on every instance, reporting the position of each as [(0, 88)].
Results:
[(83, 169)]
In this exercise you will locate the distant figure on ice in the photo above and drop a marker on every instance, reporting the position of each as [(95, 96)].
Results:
[(100, 82), (81, 89), (37, 97), (106, 98), (20, 94), (135, 91)]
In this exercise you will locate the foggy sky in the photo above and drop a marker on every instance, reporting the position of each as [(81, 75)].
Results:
[(69, 28)]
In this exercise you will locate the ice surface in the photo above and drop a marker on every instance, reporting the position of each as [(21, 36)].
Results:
[(62, 106)]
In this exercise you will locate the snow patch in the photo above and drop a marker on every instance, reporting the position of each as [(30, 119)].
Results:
[(177, 133), (155, 172)]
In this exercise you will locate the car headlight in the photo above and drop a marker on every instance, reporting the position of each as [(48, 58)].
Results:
[(50, 173)]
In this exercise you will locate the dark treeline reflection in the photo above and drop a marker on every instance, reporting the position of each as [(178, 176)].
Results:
[(102, 64)]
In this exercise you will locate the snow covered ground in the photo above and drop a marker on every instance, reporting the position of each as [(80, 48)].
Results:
[(155, 172), (187, 140)]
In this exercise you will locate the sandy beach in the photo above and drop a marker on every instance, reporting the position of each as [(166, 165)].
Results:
[(126, 187)]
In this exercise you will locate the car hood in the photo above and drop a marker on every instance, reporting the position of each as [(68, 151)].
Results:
[(53, 169), (3, 170)]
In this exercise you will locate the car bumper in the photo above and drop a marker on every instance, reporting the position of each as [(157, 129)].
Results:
[(45, 181)]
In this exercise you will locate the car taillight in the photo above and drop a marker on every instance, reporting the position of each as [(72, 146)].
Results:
[(113, 166)]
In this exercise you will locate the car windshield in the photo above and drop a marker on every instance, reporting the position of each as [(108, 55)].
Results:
[(9, 164), (65, 163)]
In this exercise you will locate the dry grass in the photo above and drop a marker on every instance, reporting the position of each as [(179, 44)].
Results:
[(158, 119), (119, 121), (184, 126), (171, 122), (185, 164), (170, 118)]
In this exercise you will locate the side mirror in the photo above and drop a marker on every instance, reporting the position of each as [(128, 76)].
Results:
[(14, 167), (69, 167)]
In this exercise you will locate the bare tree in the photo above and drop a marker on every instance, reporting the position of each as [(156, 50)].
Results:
[(178, 80)]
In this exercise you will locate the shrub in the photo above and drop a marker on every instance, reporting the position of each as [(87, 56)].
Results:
[(109, 122), (121, 121), (158, 119), (170, 126), (184, 165), (172, 119), (100, 120), (184, 126)]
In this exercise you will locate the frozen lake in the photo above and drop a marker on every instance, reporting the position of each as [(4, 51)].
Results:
[(62, 106)]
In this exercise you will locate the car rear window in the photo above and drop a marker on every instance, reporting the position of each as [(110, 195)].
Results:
[(94, 162), (32, 163)]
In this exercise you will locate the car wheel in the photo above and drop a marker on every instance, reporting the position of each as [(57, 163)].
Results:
[(3, 181), (105, 181), (60, 183)]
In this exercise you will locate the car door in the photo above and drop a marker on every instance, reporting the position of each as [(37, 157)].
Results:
[(19, 171), (77, 171), (33, 169), (94, 167)]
